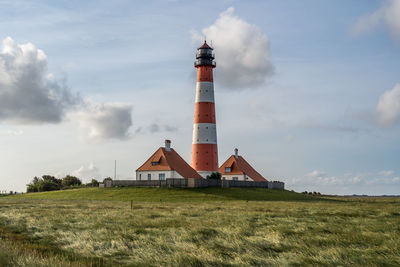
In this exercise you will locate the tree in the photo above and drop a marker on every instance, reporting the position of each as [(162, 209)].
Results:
[(93, 183), (32, 186), (46, 183), (107, 179), (70, 181), (214, 175), (52, 179)]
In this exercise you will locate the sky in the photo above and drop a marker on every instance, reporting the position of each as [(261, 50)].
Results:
[(308, 91)]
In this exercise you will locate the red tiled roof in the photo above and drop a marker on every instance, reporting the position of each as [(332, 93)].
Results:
[(240, 166), (169, 161), (205, 45)]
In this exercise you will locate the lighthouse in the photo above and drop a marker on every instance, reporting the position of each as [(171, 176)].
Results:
[(204, 145)]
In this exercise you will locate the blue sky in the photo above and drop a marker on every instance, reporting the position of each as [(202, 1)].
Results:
[(317, 105)]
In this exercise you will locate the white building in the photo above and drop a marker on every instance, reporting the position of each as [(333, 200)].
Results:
[(237, 168), (165, 163)]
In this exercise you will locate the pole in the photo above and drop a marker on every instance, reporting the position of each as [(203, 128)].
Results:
[(115, 170)]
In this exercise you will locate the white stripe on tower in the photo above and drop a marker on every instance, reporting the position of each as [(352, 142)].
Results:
[(205, 133), (205, 92)]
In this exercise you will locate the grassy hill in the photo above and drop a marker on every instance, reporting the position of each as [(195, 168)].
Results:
[(196, 227), (169, 194)]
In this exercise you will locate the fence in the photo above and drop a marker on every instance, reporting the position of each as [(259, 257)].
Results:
[(194, 183)]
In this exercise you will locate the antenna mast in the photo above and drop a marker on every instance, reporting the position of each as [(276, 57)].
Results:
[(115, 170)]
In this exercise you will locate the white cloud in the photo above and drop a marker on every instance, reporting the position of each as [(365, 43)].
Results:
[(12, 132), (320, 178), (386, 173), (30, 95), (105, 121), (160, 127), (388, 107), (242, 51), (87, 173), (383, 181), (27, 93), (388, 15), (316, 173)]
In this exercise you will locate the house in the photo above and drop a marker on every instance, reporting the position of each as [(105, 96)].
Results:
[(165, 163), (237, 168)]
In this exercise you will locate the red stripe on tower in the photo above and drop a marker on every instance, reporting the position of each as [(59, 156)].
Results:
[(204, 145)]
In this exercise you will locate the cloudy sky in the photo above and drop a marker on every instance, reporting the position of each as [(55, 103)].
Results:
[(309, 91)]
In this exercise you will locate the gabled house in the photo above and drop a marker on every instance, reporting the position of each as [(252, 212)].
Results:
[(165, 163), (237, 168)]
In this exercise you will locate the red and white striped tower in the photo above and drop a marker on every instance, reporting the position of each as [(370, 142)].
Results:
[(204, 145)]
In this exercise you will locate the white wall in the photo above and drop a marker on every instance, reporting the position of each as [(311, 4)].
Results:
[(154, 175), (241, 177)]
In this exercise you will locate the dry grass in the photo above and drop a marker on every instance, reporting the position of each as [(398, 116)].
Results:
[(219, 233)]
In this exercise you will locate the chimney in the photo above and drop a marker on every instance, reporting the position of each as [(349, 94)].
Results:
[(236, 153), (168, 145)]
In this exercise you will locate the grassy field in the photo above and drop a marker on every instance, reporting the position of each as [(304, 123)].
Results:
[(169, 194), (201, 227)]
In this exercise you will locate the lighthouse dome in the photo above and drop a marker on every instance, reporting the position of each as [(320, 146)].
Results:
[(205, 45), (205, 55)]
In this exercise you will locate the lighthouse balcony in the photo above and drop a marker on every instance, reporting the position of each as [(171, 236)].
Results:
[(203, 62)]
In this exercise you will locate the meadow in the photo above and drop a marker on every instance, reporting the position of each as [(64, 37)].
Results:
[(197, 227)]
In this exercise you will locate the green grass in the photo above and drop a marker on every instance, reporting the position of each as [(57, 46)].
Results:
[(213, 227), (169, 194)]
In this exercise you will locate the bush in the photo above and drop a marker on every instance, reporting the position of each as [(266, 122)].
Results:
[(214, 175), (52, 179), (70, 181), (93, 183), (46, 183)]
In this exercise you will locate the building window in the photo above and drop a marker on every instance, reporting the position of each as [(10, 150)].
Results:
[(227, 169), (154, 163), (149, 176), (235, 178), (140, 176), (161, 176)]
